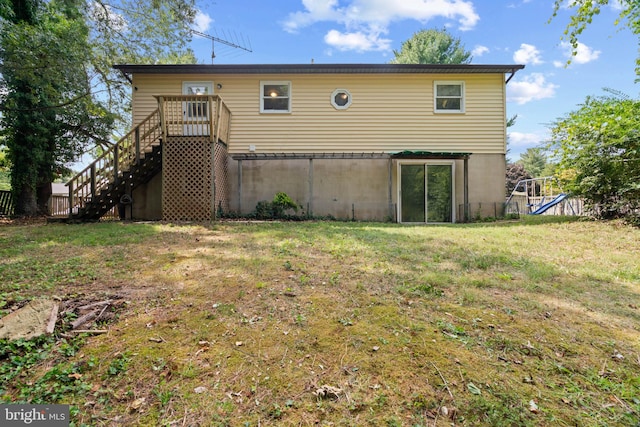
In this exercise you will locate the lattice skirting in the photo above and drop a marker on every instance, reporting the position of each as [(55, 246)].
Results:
[(186, 179), (222, 191)]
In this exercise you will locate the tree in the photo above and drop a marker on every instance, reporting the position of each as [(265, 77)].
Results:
[(515, 173), (432, 47), (534, 161), (59, 93), (510, 122), (4, 169), (585, 11), (598, 149)]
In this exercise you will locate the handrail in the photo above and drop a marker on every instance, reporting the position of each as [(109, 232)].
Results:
[(119, 157)]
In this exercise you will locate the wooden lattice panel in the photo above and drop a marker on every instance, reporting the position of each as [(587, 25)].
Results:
[(186, 179), (221, 178)]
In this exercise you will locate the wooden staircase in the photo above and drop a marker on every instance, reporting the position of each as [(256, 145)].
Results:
[(132, 161), (137, 157)]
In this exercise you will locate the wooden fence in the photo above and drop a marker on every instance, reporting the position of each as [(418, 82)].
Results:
[(6, 203)]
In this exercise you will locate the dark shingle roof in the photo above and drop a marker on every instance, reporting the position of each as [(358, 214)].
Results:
[(319, 69)]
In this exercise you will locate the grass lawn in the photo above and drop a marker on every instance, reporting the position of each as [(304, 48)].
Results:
[(526, 323)]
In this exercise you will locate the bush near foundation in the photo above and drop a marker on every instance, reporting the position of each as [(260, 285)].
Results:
[(277, 208)]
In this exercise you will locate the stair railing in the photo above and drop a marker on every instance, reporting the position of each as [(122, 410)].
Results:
[(107, 168)]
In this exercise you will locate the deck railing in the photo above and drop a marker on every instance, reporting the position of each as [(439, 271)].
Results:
[(195, 115)]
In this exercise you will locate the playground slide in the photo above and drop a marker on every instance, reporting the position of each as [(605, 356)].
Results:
[(542, 209)]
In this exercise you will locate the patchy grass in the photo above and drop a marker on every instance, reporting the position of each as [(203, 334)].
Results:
[(532, 322)]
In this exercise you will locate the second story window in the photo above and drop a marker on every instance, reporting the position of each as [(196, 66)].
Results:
[(275, 97), (449, 97)]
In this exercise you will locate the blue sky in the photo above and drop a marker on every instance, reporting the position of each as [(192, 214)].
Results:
[(497, 32)]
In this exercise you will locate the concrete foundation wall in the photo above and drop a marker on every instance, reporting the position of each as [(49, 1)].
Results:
[(487, 174), (342, 188), (147, 200), (356, 188)]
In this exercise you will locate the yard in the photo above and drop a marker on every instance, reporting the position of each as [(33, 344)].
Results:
[(526, 323)]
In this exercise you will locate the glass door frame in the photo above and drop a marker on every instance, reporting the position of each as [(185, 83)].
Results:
[(425, 163)]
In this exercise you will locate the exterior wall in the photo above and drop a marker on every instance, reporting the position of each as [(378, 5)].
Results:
[(389, 112), (357, 189), (486, 185), (342, 188), (147, 200)]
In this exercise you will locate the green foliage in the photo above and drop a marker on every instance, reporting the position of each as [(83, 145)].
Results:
[(515, 173), (277, 208), (432, 47), (118, 365), (584, 12), (534, 161), (598, 148), (61, 95), (48, 116)]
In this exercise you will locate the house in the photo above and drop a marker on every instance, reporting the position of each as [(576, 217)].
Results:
[(408, 143)]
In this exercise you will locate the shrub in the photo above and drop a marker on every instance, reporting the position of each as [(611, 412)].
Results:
[(277, 208)]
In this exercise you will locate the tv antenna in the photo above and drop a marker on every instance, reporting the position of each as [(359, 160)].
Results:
[(234, 44)]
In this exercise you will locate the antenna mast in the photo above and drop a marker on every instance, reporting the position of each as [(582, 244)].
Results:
[(219, 40)]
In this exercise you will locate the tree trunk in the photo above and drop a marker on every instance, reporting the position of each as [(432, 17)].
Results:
[(26, 202), (43, 196)]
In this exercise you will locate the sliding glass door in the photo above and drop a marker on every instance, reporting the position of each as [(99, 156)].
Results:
[(426, 193)]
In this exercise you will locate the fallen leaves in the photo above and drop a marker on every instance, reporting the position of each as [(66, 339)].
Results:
[(328, 392)]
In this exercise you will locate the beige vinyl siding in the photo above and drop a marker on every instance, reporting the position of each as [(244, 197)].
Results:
[(389, 112)]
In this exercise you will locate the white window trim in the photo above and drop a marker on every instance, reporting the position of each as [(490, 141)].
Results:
[(341, 107), (207, 84), (462, 96), (262, 97), (426, 162)]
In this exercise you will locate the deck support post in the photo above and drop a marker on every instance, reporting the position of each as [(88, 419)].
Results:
[(70, 198), (390, 195), (213, 181), (93, 180), (116, 160), (466, 189), (137, 143), (240, 187), (310, 204)]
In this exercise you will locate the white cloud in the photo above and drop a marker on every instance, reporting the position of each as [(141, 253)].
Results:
[(479, 50), (613, 4), (520, 139), (357, 41), (527, 54), (365, 20), (202, 21), (616, 5), (532, 88), (584, 54)]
